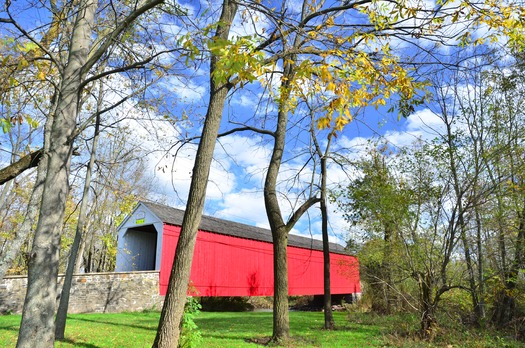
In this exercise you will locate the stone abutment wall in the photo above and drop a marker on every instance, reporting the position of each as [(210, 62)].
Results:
[(93, 292)]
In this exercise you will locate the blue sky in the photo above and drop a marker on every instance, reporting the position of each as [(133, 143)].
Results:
[(237, 176)]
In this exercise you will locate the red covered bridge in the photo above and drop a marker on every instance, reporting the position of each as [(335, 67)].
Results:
[(231, 259)]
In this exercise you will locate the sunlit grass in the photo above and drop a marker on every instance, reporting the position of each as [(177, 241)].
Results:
[(218, 330), (244, 329)]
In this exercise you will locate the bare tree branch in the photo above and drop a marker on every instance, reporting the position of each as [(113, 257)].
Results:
[(300, 211), (247, 128), (13, 170), (111, 38)]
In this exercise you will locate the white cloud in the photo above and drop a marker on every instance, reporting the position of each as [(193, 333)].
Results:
[(248, 23), (174, 174), (247, 154), (422, 125), (245, 206), (424, 120), (248, 101), (186, 90)]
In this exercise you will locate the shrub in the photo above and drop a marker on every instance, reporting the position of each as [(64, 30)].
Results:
[(226, 304), (190, 334)]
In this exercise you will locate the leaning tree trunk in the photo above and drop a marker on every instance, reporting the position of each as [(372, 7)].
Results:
[(37, 325), (168, 332)]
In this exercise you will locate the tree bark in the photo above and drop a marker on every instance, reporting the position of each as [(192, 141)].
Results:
[(37, 325), (428, 320), (281, 321), (168, 332), (329, 323), (505, 304), (13, 170), (281, 318), (30, 217), (60, 321)]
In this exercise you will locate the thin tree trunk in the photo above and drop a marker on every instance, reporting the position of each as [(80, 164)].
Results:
[(80, 255), (280, 229), (505, 304), (13, 247), (5, 190), (470, 269), (329, 323), (461, 220), (60, 321), (481, 278), (90, 262), (37, 325), (168, 332)]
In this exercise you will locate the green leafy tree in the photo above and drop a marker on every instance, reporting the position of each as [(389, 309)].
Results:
[(380, 205)]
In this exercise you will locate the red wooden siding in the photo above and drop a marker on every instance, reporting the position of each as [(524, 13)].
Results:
[(231, 266)]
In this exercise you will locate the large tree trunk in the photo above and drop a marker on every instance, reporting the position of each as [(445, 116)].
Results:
[(281, 322), (37, 326), (168, 332), (427, 308)]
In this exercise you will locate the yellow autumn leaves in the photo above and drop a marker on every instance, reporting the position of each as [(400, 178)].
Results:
[(354, 68)]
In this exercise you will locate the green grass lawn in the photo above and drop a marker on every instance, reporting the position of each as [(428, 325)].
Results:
[(218, 330), (242, 329)]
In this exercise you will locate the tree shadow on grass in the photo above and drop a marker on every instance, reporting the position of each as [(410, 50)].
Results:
[(79, 344), (294, 341), (134, 326), (10, 328), (261, 341), (248, 322)]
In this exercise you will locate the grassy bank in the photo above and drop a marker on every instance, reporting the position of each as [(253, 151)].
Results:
[(243, 329)]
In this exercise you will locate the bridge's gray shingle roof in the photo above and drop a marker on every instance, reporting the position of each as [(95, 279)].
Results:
[(175, 216)]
